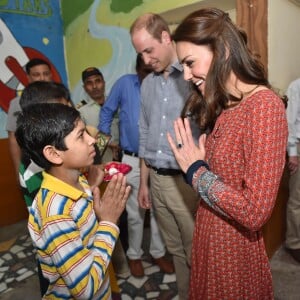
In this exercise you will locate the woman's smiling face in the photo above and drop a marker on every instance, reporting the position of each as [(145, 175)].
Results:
[(196, 61)]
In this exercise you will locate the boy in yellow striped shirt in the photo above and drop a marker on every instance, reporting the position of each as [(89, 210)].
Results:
[(73, 229)]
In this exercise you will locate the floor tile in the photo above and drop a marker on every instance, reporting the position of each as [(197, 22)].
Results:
[(18, 279)]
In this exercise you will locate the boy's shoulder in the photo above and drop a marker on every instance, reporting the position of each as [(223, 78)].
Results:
[(56, 197)]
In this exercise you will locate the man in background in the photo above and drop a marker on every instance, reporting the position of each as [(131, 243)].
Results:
[(94, 86), (90, 108), (37, 70), (125, 96), (163, 95), (293, 205)]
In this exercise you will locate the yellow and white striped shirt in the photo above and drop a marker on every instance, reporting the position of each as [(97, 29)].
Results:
[(74, 249)]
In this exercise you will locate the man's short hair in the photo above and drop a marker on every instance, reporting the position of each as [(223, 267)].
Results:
[(36, 62), (153, 23), (90, 72), (44, 124)]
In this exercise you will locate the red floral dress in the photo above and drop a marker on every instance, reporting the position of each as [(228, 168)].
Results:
[(246, 155)]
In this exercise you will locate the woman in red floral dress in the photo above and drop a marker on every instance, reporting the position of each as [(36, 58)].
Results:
[(237, 166)]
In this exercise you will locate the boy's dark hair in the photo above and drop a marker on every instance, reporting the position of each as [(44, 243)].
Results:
[(44, 124), (43, 92), (36, 62)]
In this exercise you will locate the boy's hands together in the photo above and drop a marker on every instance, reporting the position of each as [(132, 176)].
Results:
[(95, 175), (110, 206)]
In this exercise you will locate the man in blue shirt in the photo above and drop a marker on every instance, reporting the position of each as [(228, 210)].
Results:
[(125, 94)]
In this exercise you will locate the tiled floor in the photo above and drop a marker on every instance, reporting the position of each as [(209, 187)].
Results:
[(18, 280), (286, 276)]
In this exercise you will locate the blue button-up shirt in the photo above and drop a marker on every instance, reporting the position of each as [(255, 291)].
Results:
[(125, 95), (162, 100)]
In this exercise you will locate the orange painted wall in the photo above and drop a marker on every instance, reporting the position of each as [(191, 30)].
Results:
[(12, 205)]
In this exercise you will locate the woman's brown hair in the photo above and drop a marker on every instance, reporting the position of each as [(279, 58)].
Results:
[(213, 28)]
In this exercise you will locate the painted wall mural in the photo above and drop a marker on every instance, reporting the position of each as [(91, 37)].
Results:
[(93, 33), (28, 29), (97, 34)]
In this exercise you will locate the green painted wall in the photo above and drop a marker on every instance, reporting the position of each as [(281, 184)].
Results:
[(96, 34)]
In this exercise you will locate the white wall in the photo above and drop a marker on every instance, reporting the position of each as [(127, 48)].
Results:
[(284, 43)]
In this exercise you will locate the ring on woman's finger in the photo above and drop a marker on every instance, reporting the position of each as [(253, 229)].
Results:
[(179, 145)]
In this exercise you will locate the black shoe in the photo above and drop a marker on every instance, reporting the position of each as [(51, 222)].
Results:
[(295, 253)]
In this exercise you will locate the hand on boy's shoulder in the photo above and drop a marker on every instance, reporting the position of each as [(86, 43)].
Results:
[(110, 206)]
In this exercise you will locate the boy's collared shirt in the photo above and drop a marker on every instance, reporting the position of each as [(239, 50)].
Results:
[(73, 248)]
